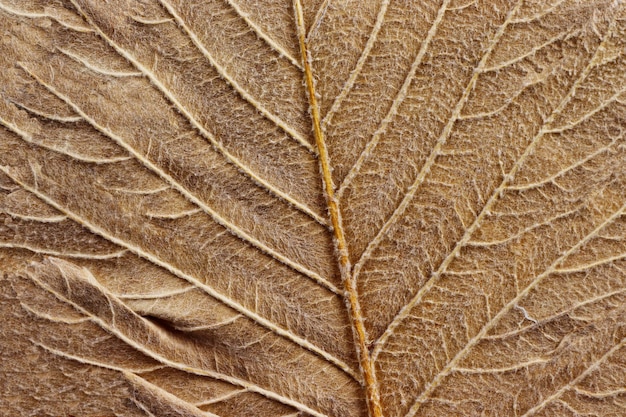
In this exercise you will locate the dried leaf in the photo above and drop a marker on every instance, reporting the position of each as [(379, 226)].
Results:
[(313, 208)]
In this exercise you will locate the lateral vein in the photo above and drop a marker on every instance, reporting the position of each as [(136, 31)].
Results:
[(194, 281), (408, 197), (242, 91), (347, 87), (398, 100), (437, 380), (405, 311), (232, 228), (268, 39), (205, 133)]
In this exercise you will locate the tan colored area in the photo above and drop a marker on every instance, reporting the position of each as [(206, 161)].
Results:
[(329, 208)]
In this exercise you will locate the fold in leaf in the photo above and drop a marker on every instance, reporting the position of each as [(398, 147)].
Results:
[(279, 370)]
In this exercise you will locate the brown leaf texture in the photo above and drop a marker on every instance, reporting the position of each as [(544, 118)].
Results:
[(329, 208)]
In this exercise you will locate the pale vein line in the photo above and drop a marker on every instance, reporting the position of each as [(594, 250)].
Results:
[(62, 119), (213, 326), (172, 216), (600, 394), (405, 311), (516, 367), (49, 317), (525, 230), (226, 76), (178, 404), (145, 21), (206, 288), (141, 192), (97, 69), (231, 227), (89, 361), (317, 20), (555, 316), (398, 100), (40, 219), (57, 19), (154, 355), (209, 136), (569, 168), (437, 380), (602, 106), (408, 197), (347, 87), (598, 262), (463, 6), (154, 296), (27, 137), (576, 380), (76, 255), (525, 55), (541, 14), (223, 397), (268, 39)]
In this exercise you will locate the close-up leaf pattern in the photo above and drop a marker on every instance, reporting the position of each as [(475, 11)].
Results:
[(329, 208)]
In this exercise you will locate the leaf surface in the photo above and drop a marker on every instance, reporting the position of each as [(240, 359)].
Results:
[(326, 208)]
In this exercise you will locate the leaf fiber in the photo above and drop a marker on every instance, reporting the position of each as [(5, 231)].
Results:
[(329, 208)]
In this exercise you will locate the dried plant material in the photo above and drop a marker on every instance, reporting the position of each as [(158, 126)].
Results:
[(328, 208)]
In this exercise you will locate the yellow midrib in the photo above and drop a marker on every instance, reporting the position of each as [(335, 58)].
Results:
[(358, 327)]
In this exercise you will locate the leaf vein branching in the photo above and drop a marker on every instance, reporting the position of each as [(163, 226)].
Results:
[(317, 20), (398, 100), (27, 137), (525, 230), (358, 67), (593, 366), (405, 311), (155, 355), (209, 136), (62, 22), (541, 14), (552, 178), (408, 197), (39, 113), (267, 38), (587, 116), (177, 405), (231, 227), (76, 255), (596, 263), (542, 321), (242, 91), (525, 55), (97, 69), (351, 294), (437, 379), (196, 282)]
